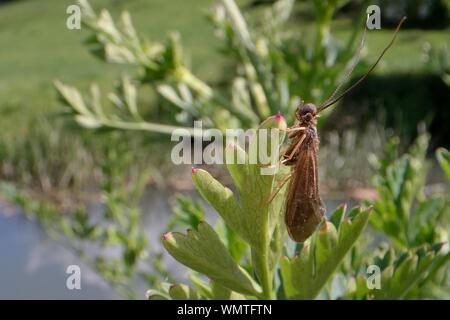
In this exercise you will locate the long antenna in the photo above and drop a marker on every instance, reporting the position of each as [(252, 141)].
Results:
[(329, 103), (354, 64)]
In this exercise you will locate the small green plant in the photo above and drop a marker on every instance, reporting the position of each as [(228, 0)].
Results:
[(45, 161), (252, 223), (413, 219), (246, 254), (413, 222), (403, 211), (331, 264), (273, 70), (110, 239), (414, 255)]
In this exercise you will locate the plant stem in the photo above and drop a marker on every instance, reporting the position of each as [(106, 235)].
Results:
[(261, 262), (261, 259), (147, 126)]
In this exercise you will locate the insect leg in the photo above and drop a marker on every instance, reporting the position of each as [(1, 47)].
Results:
[(286, 179), (294, 150), (294, 129), (291, 154), (279, 187)]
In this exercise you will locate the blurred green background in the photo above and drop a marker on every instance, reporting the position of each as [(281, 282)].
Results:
[(36, 48), (46, 154)]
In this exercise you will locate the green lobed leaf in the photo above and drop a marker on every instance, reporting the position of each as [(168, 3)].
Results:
[(307, 273), (203, 288), (404, 272), (221, 198), (202, 251), (183, 292), (399, 184), (249, 216), (221, 293)]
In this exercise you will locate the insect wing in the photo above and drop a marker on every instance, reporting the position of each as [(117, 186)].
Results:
[(304, 208)]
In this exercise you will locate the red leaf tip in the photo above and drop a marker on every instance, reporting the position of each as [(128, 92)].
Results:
[(166, 236), (279, 117)]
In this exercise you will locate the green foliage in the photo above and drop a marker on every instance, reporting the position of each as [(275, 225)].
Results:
[(271, 72), (46, 161), (405, 271), (245, 214), (402, 273), (123, 254), (202, 251), (258, 225), (437, 59), (246, 254), (306, 274), (182, 292), (412, 219), (187, 212), (334, 263), (403, 212), (443, 157)]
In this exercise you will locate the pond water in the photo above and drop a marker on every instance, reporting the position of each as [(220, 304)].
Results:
[(33, 266)]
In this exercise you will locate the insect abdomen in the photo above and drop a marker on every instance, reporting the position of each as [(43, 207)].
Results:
[(303, 218)]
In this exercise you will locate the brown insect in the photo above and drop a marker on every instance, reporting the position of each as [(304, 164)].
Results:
[(304, 208)]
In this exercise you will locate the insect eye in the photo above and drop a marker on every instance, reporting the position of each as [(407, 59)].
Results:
[(308, 108)]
